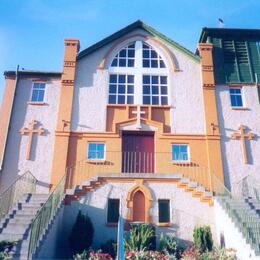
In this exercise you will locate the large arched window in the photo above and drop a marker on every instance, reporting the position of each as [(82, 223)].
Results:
[(138, 75)]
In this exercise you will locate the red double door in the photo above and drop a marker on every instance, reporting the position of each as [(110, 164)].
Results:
[(138, 152)]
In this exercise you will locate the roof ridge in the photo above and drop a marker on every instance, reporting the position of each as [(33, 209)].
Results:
[(132, 26)]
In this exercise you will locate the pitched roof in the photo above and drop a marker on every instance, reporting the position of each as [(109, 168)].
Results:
[(136, 25)]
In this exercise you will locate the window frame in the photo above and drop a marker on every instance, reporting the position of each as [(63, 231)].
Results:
[(169, 212), (235, 94), (188, 153), (138, 71), (96, 159), (44, 92), (107, 215)]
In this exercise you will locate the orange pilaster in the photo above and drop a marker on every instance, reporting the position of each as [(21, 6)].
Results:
[(210, 110), (5, 113), (65, 110)]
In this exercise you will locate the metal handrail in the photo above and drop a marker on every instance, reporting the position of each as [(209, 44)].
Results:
[(44, 216), (25, 183), (118, 162)]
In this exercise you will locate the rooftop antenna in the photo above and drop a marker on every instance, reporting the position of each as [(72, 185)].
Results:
[(220, 23)]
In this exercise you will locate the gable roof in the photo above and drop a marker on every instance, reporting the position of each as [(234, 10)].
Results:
[(136, 25)]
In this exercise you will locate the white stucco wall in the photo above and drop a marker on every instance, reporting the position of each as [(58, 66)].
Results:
[(39, 165), (185, 211), (229, 122), (233, 238), (91, 91)]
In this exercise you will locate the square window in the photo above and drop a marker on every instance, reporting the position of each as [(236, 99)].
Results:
[(121, 99), (131, 53), (236, 97), (164, 210), (112, 89), (112, 99), (164, 100), (113, 210), (121, 79), (164, 90), (96, 151), (121, 89), (113, 78), (180, 152), (131, 63), (130, 89), (155, 90), (154, 63), (130, 100), (122, 62), (146, 64), (38, 91), (146, 89), (154, 79), (155, 100), (163, 80), (146, 100), (145, 53), (146, 79), (130, 79)]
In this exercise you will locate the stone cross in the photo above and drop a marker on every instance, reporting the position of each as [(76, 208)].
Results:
[(138, 113), (30, 131), (242, 136)]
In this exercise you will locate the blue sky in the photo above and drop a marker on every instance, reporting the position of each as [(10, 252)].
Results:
[(32, 31)]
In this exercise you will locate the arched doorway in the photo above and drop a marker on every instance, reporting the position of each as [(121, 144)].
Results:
[(139, 207)]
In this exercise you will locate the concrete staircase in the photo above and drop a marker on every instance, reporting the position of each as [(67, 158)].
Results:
[(16, 224), (246, 218), (185, 183)]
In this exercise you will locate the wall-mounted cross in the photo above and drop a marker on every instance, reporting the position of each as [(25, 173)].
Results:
[(240, 134), (30, 130), (138, 113)]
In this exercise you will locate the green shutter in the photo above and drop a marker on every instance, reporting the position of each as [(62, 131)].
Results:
[(218, 61), (243, 61), (253, 47), (113, 210), (230, 61), (164, 211)]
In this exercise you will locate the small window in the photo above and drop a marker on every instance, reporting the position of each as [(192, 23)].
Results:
[(236, 97), (96, 151), (113, 210), (38, 91), (164, 211), (180, 152)]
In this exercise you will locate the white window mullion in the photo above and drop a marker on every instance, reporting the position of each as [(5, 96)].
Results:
[(138, 74)]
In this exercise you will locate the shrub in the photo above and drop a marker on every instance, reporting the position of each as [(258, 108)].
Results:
[(5, 248), (203, 238), (168, 244), (91, 255), (82, 233), (142, 237), (145, 255), (109, 247)]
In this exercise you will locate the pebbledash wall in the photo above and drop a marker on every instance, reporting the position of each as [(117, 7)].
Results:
[(23, 113), (229, 121), (91, 89), (185, 211)]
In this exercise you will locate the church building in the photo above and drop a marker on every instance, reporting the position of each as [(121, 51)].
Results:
[(139, 126)]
